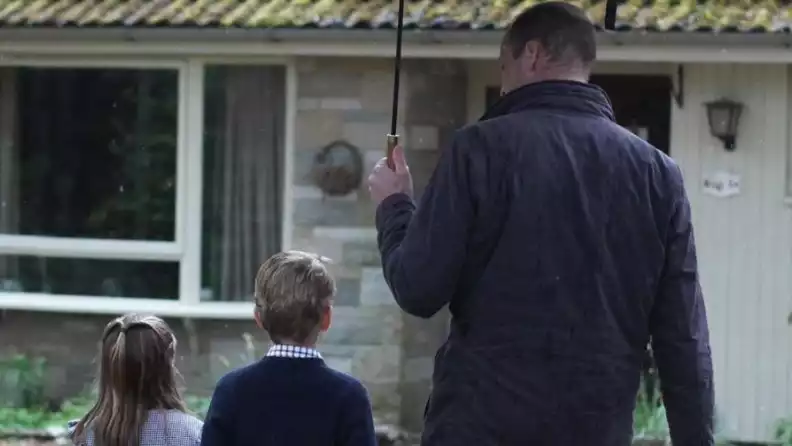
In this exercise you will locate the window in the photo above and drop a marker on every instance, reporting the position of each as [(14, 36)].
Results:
[(243, 176), (141, 185), (88, 153)]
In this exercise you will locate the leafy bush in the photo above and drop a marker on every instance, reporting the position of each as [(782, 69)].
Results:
[(22, 381), (783, 431), (649, 418), (24, 404)]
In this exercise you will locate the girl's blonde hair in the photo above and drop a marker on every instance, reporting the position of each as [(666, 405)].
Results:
[(136, 374)]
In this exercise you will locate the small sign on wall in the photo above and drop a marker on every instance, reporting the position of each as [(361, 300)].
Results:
[(721, 184)]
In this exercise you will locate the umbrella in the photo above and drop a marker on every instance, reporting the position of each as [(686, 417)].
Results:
[(393, 138), (610, 14)]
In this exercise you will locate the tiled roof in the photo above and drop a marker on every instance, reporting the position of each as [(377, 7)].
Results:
[(657, 15)]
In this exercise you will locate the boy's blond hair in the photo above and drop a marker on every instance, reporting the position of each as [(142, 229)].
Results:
[(293, 291)]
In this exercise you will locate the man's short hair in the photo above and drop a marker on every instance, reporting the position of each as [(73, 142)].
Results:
[(563, 30), (293, 290)]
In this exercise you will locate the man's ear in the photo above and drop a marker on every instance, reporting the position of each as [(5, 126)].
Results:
[(532, 53)]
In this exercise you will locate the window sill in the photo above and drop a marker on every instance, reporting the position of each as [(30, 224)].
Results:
[(53, 303)]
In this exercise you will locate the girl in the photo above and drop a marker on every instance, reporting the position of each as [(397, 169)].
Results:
[(138, 402)]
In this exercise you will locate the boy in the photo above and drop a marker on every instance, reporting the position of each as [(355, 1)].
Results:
[(290, 397)]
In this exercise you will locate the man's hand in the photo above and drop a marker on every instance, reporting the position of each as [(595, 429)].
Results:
[(384, 182)]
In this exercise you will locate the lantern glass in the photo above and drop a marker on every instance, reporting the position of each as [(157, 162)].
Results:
[(724, 117)]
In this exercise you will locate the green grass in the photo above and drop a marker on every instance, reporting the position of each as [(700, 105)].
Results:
[(34, 418)]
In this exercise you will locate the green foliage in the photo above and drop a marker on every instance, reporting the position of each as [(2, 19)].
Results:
[(649, 418), (783, 431), (25, 406), (22, 381), (197, 405)]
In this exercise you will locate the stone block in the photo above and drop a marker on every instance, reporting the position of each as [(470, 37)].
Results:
[(226, 355), (413, 400), (368, 135), (422, 165), (347, 292), (308, 104), (336, 350), (356, 65), (417, 369), (422, 337), (362, 254), (314, 193), (333, 249), (365, 115), (340, 104), (347, 234), (315, 129), (342, 364), (302, 192), (312, 212), (343, 105), (328, 83), (385, 401), (303, 162), (373, 288), (305, 65), (422, 137), (361, 326), (377, 92), (377, 364)]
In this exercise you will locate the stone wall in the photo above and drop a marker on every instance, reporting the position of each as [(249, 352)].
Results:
[(69, 342), (371, 338), (351, 100)]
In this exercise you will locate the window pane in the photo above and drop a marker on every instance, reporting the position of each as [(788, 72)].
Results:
[(88, 152), (89, 277), (243, 176)]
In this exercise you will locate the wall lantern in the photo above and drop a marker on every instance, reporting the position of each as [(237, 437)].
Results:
[(338, 169), (724, 118)]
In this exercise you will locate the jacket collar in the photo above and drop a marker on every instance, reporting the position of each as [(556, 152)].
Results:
[(570, 96)]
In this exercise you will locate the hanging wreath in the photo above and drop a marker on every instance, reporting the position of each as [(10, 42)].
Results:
[(338, 169)]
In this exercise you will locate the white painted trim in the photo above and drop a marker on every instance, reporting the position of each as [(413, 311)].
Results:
[(116, 306), (243, 60), (182, 154), (22, 52), (87, 248), (289, 152), (191, 181), (58, 60)]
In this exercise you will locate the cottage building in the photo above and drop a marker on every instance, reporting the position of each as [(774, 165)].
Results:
[(152, 153)]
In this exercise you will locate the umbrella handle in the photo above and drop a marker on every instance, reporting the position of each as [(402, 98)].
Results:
[(393, 141)]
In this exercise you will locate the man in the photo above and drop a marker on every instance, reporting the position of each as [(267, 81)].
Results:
[(562, 243)]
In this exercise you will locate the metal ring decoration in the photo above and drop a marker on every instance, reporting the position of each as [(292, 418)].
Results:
[(338, 169)]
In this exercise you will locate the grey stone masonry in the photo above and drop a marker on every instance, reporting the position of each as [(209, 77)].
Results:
[(350, 99), (436, 107)]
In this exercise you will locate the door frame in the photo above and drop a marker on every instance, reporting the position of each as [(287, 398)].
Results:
[(483, 74)]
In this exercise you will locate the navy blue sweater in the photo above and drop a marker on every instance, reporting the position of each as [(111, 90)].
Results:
[(289, 402)]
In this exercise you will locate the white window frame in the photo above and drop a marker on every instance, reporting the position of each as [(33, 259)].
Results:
[(186, 247)]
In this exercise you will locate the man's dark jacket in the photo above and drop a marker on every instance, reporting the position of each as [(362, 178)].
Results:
[(562, 243)]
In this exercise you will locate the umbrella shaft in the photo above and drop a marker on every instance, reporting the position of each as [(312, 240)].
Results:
[(397, 68)]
